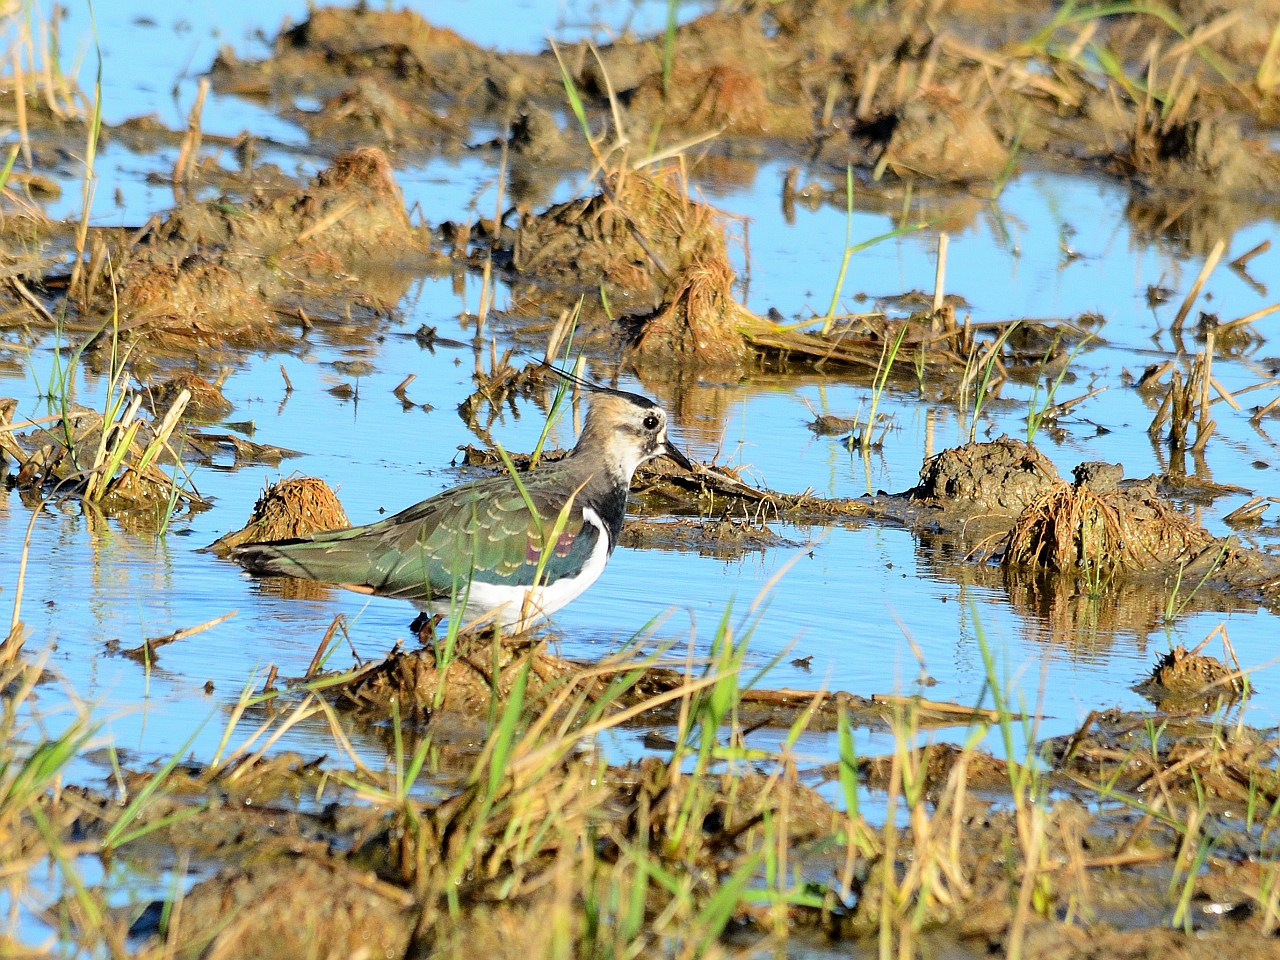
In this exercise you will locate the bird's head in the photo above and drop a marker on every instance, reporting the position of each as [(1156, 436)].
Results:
[(626, 429)]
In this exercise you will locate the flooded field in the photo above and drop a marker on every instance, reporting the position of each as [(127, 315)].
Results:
[(955, 638)]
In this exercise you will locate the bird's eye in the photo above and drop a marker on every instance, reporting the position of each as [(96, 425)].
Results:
[(651, 422)]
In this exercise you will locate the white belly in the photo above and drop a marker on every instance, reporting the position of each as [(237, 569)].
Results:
[(520, 607)]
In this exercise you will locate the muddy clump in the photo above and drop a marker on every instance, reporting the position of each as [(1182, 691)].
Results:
[(944, 141), (727, 74), (1206, 155), (462, 685), (206, 402), (370, 109), (699, 321), (661, 254), (719, 97), (221, 271), (1117, 539), (335, 44), (293, 508), (1002, 477), (303, 908), (1183, 679), (463, 681)]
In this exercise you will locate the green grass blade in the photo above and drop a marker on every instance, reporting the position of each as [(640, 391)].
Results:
[(507, 729), (848, 762), (143, 797)]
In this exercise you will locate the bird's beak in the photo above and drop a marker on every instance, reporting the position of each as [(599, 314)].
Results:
[(674, 452)]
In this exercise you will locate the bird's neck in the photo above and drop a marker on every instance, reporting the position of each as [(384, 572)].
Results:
[(605, 484)]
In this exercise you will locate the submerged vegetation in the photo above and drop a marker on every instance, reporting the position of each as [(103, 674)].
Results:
[(477, 794)]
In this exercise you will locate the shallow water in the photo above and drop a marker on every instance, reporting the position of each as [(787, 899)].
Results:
[(92, 581)]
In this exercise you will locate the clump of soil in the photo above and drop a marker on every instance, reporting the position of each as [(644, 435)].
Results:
[(423, 686), (291, 508), (944, 141), (1005, 499), (1002, 477), (289, 908), (661, 255), (220, 271), (722, 97), (422, 682), (1209, 155), (727, 74), (336, 43), (1182, 679), (206, 404), (630, 236), (368, 108), (699, 321)]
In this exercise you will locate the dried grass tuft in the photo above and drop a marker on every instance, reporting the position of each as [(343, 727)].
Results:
[(366, 167), (699, 318), (1074, 529), (291, 508)]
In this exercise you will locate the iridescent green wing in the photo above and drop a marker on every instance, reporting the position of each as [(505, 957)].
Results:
[(482, 531)]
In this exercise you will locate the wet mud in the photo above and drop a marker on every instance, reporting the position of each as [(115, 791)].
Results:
[(908, 95), (295, 874), (1003, 502)]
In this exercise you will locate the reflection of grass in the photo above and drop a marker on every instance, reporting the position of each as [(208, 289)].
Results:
[(986, 365)]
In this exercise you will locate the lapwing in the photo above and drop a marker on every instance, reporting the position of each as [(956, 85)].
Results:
[(477, 548)]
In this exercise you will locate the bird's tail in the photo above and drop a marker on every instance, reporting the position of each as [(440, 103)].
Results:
[(327, 562)]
